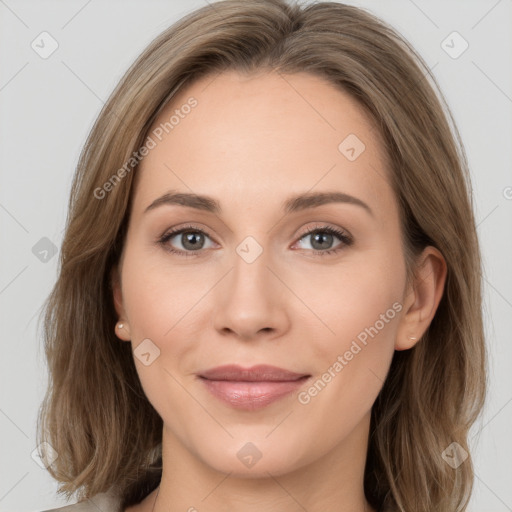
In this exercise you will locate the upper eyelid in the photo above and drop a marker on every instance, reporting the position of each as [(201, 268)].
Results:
[(178, 230)]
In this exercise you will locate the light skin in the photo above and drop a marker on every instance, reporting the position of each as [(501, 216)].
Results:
[(251, 143)]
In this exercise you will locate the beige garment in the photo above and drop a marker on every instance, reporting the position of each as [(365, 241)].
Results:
[(102, 502)]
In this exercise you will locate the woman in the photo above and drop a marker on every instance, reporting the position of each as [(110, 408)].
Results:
[(269, 295)]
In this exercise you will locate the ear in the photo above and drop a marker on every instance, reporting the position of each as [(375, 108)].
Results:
[(422, 298), (115, 282)]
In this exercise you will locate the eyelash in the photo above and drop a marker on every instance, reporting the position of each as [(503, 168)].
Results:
[(343, 236)]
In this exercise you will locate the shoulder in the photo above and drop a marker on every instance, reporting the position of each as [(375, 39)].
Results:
[(105, 502)]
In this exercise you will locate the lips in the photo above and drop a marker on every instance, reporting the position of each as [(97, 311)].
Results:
[(251, 388)]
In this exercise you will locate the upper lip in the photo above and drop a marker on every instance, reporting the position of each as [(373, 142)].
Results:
[(258, 373)]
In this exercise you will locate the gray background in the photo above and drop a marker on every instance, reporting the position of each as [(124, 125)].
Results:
[(48, 107)]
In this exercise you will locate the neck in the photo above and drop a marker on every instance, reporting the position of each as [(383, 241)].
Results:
[(332, 483)]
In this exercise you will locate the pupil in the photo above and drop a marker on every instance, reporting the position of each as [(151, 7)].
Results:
[(192, 240), (327, 237)]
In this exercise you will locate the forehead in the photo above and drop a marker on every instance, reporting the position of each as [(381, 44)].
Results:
[(260, 138)]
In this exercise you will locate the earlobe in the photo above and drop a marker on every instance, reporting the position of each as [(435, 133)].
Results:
[(423, 299), (123, 331)]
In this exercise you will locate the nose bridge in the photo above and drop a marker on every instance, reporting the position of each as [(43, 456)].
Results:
[(251, 281), (251, 267), (251, 296)]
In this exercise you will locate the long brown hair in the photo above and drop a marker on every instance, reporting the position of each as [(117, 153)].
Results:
[(95, 414)]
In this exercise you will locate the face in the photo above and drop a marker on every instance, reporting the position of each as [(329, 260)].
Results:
[(313, 287)]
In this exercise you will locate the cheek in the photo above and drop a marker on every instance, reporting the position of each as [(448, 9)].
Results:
[(156, 293), (162, 305), (157, 311), (351, 364), (355, 296), (360, 309)]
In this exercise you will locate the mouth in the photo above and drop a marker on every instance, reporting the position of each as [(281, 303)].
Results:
[(251, 388)]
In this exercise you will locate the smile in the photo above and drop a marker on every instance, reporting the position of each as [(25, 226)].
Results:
[(253, 388)]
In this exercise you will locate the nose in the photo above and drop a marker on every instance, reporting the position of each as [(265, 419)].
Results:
[(251, 301)]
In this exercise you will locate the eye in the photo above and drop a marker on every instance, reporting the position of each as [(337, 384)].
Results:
[(322, 239), (192, 240), (190, 237)]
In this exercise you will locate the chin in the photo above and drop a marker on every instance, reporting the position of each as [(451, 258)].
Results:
[(256, 459)]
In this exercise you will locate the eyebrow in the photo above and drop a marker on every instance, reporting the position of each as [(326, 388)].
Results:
[(293, 204)]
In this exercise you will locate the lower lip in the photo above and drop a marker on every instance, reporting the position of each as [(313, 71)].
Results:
[(251, 395)]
